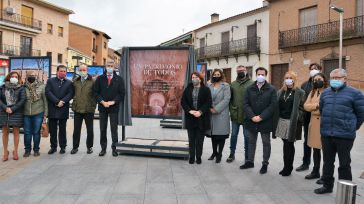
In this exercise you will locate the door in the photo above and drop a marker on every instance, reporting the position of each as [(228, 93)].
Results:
[(202, 48), (277, 74), (25, 46), (252, 37), (331, 64), (225, 38), (27, 15)]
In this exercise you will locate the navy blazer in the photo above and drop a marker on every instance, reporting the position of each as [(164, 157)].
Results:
[(59, 90)]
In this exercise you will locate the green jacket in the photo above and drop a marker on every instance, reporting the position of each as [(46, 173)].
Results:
[(83, 100), (38, 106), (238, 89)]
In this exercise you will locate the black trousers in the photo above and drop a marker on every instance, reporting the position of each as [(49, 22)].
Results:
[(89, 120), (316, 160), (217, 145), (195, 142), (306, 149), (331, 146), (60, 125), (288, 154), (104, 116)]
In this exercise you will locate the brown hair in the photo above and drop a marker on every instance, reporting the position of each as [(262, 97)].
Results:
[(7, 78), (315, 64), (221, 74), (294, 78), (326, 83), (198, 74)]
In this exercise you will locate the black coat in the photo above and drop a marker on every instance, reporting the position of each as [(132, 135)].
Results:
[(204, 104), (307, 87), (260, 102), (16, 118), (114, 92), (59, 90)]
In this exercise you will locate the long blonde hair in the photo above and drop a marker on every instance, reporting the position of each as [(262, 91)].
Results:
[(293, 75)]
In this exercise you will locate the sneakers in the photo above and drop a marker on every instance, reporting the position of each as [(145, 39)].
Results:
[(323, 190), (303, 167), (231, 158), (247, 165), (264, 169)]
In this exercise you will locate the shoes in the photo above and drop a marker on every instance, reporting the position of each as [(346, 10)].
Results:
[(62, 151), (231, 158), (15, 155), (102, 153), (26, 154), (6, 156), (323, 190), (264, 169), (114, 153), (247, 165), (320, 182), (312, 175), (89, 150), (218, 158), (74, 151), (191, 161), (283, 170), (36, 153), (286, 173), (52, 150), (303, 167), (198, 161), (212, 157)]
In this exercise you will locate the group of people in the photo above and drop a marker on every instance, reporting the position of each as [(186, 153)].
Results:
[(327, 110), (32, 103)]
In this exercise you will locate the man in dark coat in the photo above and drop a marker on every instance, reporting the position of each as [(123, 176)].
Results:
[(109, 92), (307, 87), (342, 114), (59, 91), (259, 104)]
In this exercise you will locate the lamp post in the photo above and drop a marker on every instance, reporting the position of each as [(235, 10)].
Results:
[(341, 12), (232, 32)]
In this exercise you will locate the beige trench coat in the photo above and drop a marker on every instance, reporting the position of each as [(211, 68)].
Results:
[(314, 136)]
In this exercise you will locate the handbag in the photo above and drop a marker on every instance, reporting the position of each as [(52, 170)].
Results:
[(44, 130)]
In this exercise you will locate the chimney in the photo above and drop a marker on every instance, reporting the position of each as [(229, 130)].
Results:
[(265, 3), (214, 17)]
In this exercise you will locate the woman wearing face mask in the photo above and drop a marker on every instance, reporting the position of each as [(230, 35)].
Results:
[(288, 119), (196, 102), (35, 112), (220, 121), (12, 99), (311, 105)]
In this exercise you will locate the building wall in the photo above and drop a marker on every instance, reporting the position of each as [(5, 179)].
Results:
[(299, 58), (71, 63), (239, 33)]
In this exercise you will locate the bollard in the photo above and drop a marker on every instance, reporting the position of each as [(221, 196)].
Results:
[(346, 192)]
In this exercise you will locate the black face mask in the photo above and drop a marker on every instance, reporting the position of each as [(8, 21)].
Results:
[(216, 79), (242, 75), (318, 84), (31, 79)]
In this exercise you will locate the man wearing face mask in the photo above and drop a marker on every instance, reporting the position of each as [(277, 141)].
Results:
[(307, 87), (59, 91), (342, 114), (109, 92), (84, 105), (259, 106), (238, 89), (35, 112)]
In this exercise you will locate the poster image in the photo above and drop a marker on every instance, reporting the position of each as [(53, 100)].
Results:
[(42, 65), (157, 78), (94, 71), (4, 65), (202, 68)]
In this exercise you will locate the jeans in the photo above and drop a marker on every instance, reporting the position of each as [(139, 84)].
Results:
[(104, 116), (89, 120), (195, 142), (253, 144), (331, 146), (54, 124), (234, 138), (32, 125)]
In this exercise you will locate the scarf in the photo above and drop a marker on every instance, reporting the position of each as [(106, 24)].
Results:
[(10, 96), (32, 87)]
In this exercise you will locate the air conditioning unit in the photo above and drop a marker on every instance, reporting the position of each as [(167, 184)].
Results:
[(10, 10)]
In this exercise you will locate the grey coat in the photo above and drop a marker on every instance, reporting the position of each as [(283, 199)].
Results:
[(220, 121)]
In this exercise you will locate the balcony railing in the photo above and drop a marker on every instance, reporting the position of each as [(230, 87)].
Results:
[(236, 47), (21, 20), (14, 51), (326, 32)]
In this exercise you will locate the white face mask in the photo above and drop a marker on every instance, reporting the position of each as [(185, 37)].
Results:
[(109, 70), (314, 72), (13, 80), (289, 82), (260, 78)]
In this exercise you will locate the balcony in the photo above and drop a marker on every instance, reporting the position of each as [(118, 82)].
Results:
[(22, 21), (326, 32), (237, 47), (14, 51)]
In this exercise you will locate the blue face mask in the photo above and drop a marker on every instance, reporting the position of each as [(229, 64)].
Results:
[(109, 70), (334, 83)]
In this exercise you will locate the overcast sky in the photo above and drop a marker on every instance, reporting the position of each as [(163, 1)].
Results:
[(150, 22)]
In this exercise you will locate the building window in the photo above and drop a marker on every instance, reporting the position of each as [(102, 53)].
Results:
[(49, 28), (27, 15), (308, 17), (93, 60), (104, 61), (105, 45), (60, 31), (49, 54), (25, 46), (359, 7), (59, 58), (93, 44)]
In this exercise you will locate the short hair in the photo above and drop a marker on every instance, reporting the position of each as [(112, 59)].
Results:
[(315, 64), (341, 71), (61, 66), (83, 64), (261, 68), (221, 73), (240, 66)]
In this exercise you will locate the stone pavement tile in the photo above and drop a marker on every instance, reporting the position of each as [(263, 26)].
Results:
[(95, 193), (255, 198), (160, 188), (160, 198), (242, 182), (134, 184), (192, 199), (35, 192), (311, 197), (226, 198), (188, 185), (127, 199), (216, 187), (159, 174), (182, 167), (135, 165), (59, 198)]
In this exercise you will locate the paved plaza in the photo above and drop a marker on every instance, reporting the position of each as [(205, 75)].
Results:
[(84, 178)]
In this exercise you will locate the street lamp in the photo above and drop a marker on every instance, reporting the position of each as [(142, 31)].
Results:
[(341, 12), (232, 32)]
